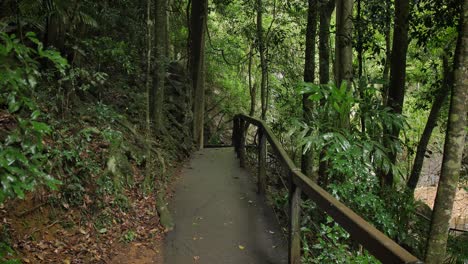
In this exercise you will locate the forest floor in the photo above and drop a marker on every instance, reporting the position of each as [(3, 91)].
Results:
[(460, 207), (427, 189), (44, 232)]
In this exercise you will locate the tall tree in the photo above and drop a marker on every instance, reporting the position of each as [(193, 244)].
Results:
[(309, 76), (252, 86), (326, 10), (198, 20), (149, 50), (388, 49), (344, 41), (359, 45), (396, 91), (453, 148), (263, 61), (157, 93)]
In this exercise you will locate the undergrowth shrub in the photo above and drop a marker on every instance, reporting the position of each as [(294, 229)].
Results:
[(348, 134), (23, 154)]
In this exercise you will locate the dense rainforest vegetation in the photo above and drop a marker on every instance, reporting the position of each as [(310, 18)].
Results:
[(101, 101)]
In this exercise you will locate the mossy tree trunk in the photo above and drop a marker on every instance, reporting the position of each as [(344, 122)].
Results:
[(453, 149)]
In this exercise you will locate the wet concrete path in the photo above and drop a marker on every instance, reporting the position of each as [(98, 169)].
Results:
[(219, 218)]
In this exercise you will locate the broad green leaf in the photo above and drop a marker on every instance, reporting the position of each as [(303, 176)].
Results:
[(41, 127)]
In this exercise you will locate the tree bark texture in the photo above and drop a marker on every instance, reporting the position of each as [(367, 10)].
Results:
[(343, 42)]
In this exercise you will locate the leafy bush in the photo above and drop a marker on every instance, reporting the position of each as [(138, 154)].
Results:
[(22, 150), (348, 132)]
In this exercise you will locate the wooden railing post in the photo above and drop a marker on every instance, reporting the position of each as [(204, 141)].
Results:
[(294, 224), (242, 143), (262, 153), (235, 134)]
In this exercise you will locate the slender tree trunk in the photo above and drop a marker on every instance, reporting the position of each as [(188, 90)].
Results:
[(307, 159), (149, 49), (359, 46), (252, 86), (167, 52), (188, 15), (326, 10), (263, 62), (360, 50), (343, 42), (396, 91), (453, 149), (197, 51), (388, 52), (160, 64), (430, 125)]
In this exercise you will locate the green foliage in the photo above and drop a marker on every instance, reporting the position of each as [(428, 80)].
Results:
[(129, 236), (330, 246), (457, 248), (22, 152), (6, 252), (114, 56), (356, 157)]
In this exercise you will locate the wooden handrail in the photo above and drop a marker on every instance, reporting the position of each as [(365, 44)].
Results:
[(378, 244)]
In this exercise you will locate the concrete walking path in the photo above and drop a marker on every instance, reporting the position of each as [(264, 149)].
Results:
[(219, 218)]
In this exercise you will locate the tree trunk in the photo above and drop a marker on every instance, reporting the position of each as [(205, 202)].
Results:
[(326, 10), (149, 126), (149, 49), (263, 62), (167, 51), (252, 86), (396, 91), (343, 43), (430, 125), (307, 160), (359, 46), (160, 64), (197, 52), (388, 52), (453, 149)]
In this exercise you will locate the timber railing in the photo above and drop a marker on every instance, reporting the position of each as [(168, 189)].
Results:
[(374, 241)]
